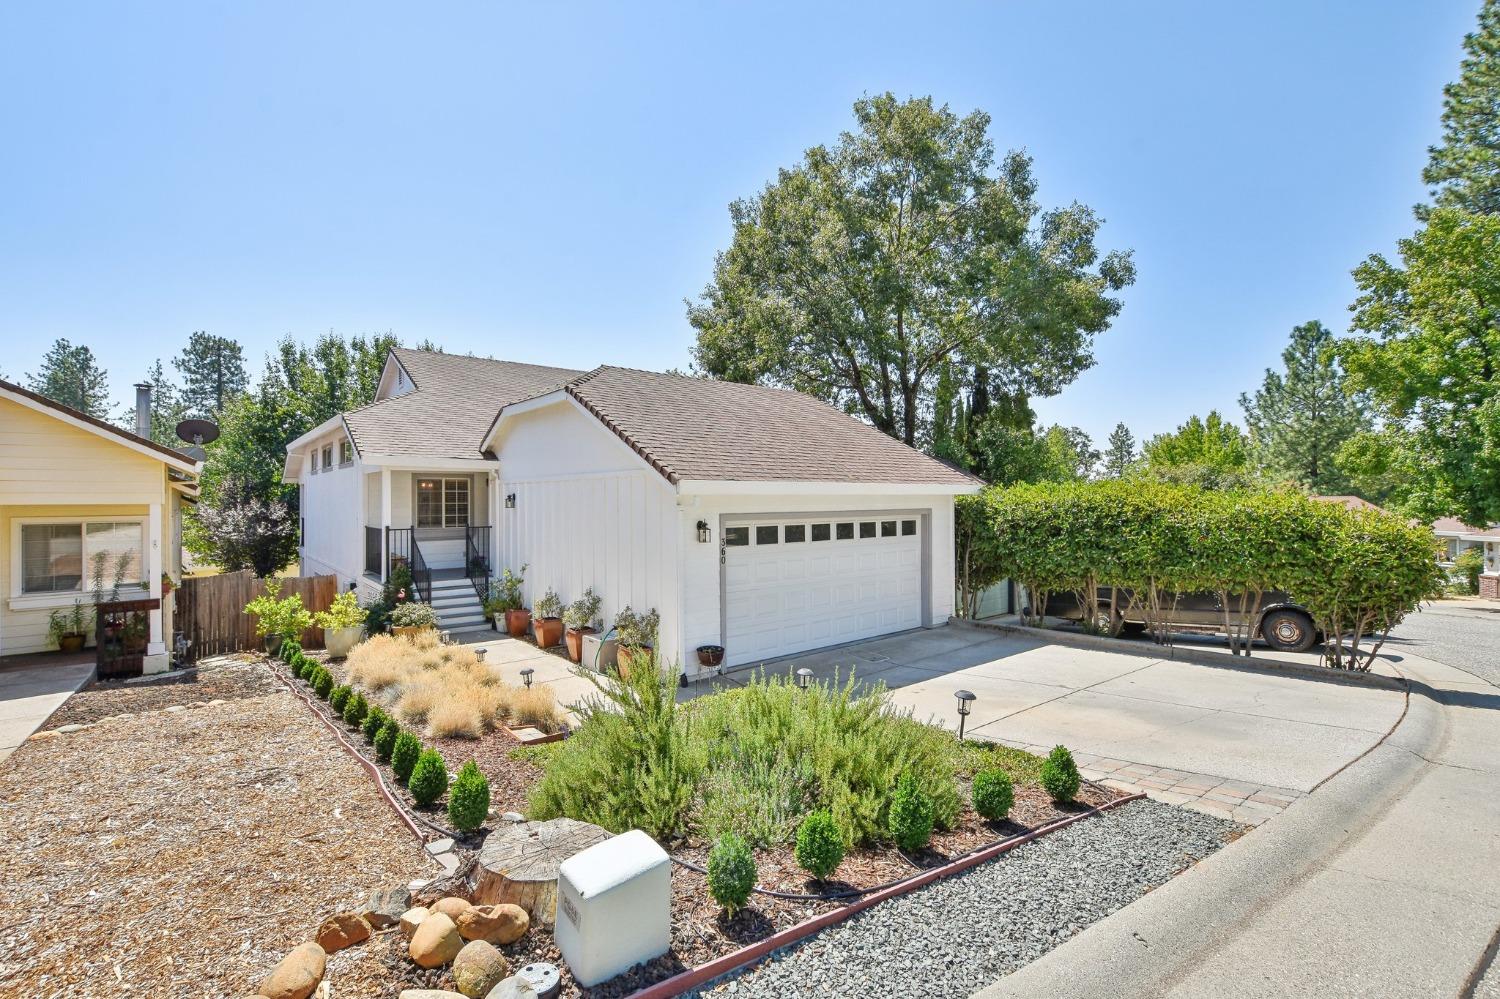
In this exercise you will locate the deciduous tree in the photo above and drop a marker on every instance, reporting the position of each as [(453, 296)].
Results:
[(863, 271), (1210, 441)]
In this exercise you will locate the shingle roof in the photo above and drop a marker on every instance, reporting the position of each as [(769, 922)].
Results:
[(1452, 525), (696, 428), (452, 407)]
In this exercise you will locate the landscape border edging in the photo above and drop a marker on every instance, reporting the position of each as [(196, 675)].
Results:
[(1197, 657), (734, 960)]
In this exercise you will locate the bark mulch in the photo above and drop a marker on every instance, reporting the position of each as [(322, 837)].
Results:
[(183, 853), (227, 678)]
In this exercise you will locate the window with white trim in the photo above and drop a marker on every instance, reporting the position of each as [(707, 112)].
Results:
[(328, 456), (65, 557), (346, 453), (442, 502)]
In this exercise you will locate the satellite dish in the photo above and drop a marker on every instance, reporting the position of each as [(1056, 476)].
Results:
[(197, 432)]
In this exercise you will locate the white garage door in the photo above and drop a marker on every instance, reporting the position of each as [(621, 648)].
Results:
[(803, 583)]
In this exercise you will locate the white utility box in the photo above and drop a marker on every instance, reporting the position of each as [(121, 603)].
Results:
[(614, 907)]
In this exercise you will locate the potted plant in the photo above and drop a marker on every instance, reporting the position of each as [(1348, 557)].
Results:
[(343, 624), (69, 628), (505, 599), (710, 656), (277, 619), (168, 584), (412, 617), (547, 619), (636, 634), (579, 619), (135, 632)]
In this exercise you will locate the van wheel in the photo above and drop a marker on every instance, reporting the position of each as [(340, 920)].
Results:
[(1288, 631), (1108, 622)]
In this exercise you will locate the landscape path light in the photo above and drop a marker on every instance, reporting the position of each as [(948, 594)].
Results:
[(965, 699), (480, 653), (804, 678), (526, 676)]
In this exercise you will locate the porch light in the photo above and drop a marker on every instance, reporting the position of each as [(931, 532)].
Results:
[(526, 673), (704, 534), (510, 501), (804, 678), (965, 698)]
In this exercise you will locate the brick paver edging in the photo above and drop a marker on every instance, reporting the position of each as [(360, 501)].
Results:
[(1200, 657), (694, 977)]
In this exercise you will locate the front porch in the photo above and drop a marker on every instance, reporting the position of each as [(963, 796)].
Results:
[(435, 523)]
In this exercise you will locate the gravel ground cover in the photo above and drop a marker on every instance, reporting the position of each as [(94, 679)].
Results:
[(181, 854), (957, 935), (226, 678)]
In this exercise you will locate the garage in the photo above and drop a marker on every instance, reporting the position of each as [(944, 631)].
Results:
[(805, 582)]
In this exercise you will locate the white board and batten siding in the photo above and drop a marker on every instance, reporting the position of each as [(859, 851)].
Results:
[(330, 499), (588, 513)]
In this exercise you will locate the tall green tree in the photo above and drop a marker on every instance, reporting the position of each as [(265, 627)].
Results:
[(1119, 452), (167, 409), (863, 271), (1429, 354), (213, 372), (1464, 168), (71, 375), (1302, 415), (1210, 441), (1072, 452)]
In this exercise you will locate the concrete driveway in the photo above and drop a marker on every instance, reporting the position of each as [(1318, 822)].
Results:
[(28, 694), (1234, 742)]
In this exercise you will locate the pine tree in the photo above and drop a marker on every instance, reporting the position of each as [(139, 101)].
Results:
[(167, 409), (72, 376), (1464, 168), (1119, 454), (1298, 419), (213, 372)]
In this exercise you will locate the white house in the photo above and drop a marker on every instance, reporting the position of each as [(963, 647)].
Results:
[(1458, 537), (754, 518)]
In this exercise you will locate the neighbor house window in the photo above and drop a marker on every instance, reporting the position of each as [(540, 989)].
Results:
[(442, 502), (61, 557)]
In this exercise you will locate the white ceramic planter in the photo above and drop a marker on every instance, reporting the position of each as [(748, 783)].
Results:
[(338, 641)]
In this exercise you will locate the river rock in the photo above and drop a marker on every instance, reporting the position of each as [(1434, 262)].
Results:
[(514, 987), (384, 907), (430, 994), (412, 918), (452, 906), (298, 975), (343, 930), (436, 941), (497, 924), (478, 968)]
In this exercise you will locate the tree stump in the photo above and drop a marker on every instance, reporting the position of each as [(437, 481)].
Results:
[(518, 864)]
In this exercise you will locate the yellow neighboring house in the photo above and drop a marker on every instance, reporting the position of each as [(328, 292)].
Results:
[(72, 487)]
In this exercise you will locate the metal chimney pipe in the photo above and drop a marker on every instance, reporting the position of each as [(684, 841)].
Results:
[(143, 410)]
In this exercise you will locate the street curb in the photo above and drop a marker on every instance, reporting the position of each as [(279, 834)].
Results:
[(1152, 946), (1197, 657)]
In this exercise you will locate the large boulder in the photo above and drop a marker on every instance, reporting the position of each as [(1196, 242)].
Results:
[(451, 906), (436, 941), (412, 918), (497, 924), (343, 930), (478, 968), (384, 907), (298, 975), (514, 987)]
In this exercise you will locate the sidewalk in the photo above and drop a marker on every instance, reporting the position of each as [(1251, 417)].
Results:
[(1383, 882)]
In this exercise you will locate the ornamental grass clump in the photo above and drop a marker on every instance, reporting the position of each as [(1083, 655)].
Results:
[(405, 752), (340, 697), (385, 744), (994, 794), (469, 799), (429, 778), (731, 873), (911, 815), (820, 845), (355, 709), (1060, 777)]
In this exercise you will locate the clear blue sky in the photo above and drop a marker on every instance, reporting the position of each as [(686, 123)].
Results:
[(547, 182)]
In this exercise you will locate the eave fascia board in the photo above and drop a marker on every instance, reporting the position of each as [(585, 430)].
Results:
[(318, 431), (788, 487)]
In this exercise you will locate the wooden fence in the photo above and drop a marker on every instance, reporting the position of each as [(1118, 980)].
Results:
[(211, 610)]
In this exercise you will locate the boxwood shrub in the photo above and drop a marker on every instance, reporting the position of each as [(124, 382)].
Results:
[(339, 697), (404, 754), (731, 873), (355, 708), (994, 793), (322, 682), (911, 815), (468, 798), (1060, 777), (429, 778), (375, 719), (385, 743), (820, 845)]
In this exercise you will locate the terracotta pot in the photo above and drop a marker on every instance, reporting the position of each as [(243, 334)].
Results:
[(549, 631), (710, 656), (574, 639), (517, 621), (70, 643), (628, 655)]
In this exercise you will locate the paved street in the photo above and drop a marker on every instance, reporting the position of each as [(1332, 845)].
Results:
[(1464, 634)]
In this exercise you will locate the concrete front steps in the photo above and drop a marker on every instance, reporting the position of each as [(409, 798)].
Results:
[(457, 605)]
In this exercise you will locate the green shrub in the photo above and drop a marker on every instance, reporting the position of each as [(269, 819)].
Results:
[(339, 697), (375, 719), (322, 682), (1060, 776), (355, 709), (468, 799), (405, 752), (277, 616), (731, 873), (994, 794), (290, 650), (820, 845), (385, 745), (429, 778), (301, 666), (911, 815)]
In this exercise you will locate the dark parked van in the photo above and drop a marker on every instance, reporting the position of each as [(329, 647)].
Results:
[(1282, 624)]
